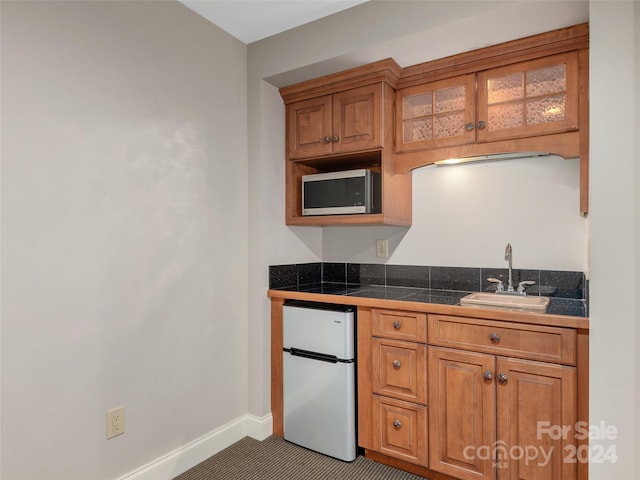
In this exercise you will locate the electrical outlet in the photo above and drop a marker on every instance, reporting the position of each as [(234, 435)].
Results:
[(382, 248), (115, 422)]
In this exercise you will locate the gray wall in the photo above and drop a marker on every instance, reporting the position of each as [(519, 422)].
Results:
[(124, 234)]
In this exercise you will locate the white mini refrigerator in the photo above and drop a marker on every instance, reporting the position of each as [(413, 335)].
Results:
[(319, 378)]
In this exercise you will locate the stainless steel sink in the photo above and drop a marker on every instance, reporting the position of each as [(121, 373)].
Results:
[(503, 301)]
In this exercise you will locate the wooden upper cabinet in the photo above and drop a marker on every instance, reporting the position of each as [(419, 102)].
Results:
[(538, 97), (526, 99), (436, 114), (309, 127), (345, 122), (346, 112), (526, 95), (357, 119)]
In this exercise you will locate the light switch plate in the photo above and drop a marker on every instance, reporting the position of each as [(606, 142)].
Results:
[(382, 248)]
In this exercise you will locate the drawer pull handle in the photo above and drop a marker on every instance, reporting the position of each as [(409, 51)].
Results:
[(487, 375), (397, 325), (494, 337), (396, 364), (397, 424), (335, 138), (502, 378), (481, 125), (326, 139)]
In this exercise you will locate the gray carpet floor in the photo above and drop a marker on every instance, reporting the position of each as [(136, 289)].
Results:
[(277, 459)]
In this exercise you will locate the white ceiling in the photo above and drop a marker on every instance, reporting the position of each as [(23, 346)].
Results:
[(252, 20)]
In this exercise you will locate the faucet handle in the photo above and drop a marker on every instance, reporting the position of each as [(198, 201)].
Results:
[(499, 285), (522, 285)]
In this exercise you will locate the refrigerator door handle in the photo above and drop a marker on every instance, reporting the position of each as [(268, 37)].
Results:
[(322, 357)]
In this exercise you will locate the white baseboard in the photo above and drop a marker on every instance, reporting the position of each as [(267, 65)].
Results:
[(259, 427), (182, 459)]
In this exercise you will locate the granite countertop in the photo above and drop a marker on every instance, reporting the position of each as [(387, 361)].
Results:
[(557, 306)]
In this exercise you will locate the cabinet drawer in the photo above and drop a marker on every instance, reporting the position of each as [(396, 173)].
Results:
[(400, 430), (549, 344), (399, 369), (399, 324)]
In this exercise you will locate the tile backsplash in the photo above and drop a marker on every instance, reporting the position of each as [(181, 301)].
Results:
[(549, 283)]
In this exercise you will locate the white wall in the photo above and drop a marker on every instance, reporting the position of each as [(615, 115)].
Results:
[(270, 241), (464, 215), (636, 210), (411, 32), (615, 260), (555, 237), (124, 234)]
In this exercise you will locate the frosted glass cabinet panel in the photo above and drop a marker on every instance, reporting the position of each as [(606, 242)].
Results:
[(537, 97), (525, 99), (436, 114)]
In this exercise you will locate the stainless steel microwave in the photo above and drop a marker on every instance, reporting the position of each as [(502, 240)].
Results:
[(340, 193)]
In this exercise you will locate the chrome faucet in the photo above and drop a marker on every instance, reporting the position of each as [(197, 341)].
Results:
[(508, 256)]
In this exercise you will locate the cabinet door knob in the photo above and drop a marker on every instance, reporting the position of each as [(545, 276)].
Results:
[(396, 364), (502, 378), (487, 375), (494, 337), (468, 127), (335, 138), (326, 139), (482, 124), (397, 325), (397, 424)]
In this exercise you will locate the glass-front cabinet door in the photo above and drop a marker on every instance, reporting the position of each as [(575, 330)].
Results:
[(537, 97), (436, 114)]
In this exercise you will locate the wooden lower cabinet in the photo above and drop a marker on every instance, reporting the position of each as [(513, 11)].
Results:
[(450, 397), (392, 385), (400, 369), (400, 429), (489, 416), (531, 398), (463, 412)]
